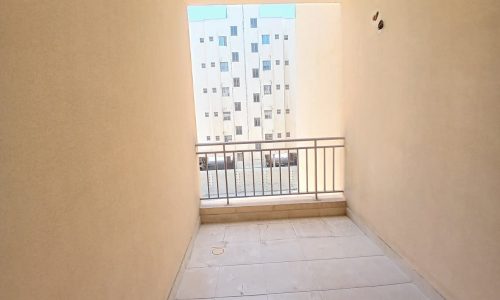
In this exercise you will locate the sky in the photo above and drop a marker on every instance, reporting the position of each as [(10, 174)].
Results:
[(212, 12)]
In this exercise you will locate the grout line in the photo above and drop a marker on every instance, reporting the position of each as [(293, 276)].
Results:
[(307, 291), (289, 261)]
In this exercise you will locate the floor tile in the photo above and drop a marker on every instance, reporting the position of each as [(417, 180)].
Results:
[(241, 281), (288, 277), (210, 234), (242, 233), (342, 226), (198, 283), (311, 228), (388, 292), (295, 296), (277, 231), (224, 254), (281, 251), (355, 272), (338, 247), (259, 297)]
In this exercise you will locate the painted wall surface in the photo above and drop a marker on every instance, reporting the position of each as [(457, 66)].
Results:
[(98, 186), (319, 70), (422, 102)]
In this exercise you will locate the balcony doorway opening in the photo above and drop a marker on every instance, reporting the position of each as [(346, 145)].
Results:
[(266, 90)]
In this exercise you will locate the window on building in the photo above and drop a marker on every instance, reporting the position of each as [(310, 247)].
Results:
[(268, 114), (234, 30), (208, 138), (265, 39), (279, 135), (214, 90), (225, 91), (222, 41), (207, 115), (204, 90), (228, 138), (237, 106), (253, 22), (278, 111), (267, 89), (235, 57), (278, 87), (268, 136), (203, 65), (288, 134), (266, 65), (212, 64), (239, 130), (256, 97), (216, 114), (258, 146), (210, 38), (255, 73), (276, 36), (256, 122), (202, 40), (287, 62), (227, 116), (217, 138), (236, 82), (255, 47), (285, 37), (224, 66), (278, 62), (287, 86), (287, 110)]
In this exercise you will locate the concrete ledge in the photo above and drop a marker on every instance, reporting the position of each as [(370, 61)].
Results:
[(280, 209)]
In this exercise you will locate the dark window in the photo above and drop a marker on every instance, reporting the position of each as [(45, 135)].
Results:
[(234, 30)]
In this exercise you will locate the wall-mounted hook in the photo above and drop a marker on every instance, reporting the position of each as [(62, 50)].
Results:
[(380, 25)]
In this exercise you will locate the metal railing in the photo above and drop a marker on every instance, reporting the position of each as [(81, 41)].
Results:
[(270, 168)]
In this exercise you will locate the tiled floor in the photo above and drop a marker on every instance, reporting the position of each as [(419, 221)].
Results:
[(298, 259)]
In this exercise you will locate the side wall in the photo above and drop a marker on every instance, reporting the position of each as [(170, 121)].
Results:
[(98, 181), (423, 135), (318, 70)]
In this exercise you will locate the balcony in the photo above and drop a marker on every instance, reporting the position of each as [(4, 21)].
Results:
[(280, 229), (308, 258)]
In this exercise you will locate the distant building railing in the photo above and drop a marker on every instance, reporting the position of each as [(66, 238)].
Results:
[(270, 168)]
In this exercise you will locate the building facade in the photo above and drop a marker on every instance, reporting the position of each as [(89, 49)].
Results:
[(243, 71)]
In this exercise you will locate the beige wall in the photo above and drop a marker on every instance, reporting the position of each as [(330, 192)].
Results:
[(318, 70), (98, 187), (423, 135)]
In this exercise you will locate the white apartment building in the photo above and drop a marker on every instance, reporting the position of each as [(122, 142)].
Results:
[(243, 72)]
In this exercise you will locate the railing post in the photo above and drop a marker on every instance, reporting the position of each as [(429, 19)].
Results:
[(316, 169), (225, 172)]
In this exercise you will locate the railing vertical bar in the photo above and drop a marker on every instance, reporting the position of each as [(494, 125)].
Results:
[(262, 172), (244, 176), (307, 170), (225, 172), (234, 171), (272, 163), (217, 175), (324, 169), (253, 175), (298, 171), (333, 167), (289, 179), (316, 169), (279, 163), (208, 178)]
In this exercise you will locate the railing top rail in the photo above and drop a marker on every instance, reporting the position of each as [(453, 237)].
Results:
[(270, 142)]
